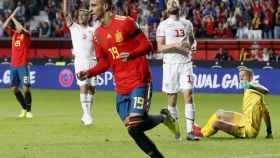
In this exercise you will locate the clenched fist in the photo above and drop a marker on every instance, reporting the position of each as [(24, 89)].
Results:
[(82, 75)]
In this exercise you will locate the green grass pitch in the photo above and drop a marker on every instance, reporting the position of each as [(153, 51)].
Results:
[(56, 130)]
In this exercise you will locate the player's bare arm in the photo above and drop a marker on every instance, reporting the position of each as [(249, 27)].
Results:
[(192, 41), (165, 48), (100, 67), (179, 48), (185, 46), (191, 38), (8, 20), (142, 49), (68, 19), (19, 25), (267, 121)]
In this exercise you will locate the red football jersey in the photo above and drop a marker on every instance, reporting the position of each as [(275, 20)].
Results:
[(123, 35), (20, 45)]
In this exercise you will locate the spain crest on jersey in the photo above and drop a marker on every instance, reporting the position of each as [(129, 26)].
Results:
[(109, 36), (21, 37), (118, 37)]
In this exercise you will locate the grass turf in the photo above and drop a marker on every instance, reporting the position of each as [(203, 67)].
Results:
[(56, 130)]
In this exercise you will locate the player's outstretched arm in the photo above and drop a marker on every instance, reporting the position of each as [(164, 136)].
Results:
[(267, 121), (18, 24), (258, 87), (8, 20), (100, 67), (66, 13)]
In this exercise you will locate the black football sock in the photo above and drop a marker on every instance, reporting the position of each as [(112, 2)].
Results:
[(151, 121), (144, 142), (20, 99), (28, 100)]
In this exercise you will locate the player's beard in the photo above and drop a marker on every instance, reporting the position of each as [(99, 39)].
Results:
[(83, 21), (94, 17)]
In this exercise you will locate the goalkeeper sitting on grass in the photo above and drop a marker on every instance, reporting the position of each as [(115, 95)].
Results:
[(246, 124)]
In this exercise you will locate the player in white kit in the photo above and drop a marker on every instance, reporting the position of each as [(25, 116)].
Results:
[(84, 54), (175, 39)]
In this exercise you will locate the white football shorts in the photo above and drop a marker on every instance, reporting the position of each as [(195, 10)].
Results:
[(177, 77), (83, 65)]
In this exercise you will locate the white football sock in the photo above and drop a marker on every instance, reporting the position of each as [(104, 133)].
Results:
[(83, 99), (189, 114), (90, 102), (174, 111)]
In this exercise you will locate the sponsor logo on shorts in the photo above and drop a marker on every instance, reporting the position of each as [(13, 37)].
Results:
[(66, 78)]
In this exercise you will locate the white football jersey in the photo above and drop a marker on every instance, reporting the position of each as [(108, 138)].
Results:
[(175, 31), (82, 41)]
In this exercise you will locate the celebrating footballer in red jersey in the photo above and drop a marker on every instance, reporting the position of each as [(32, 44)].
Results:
[(121, 45), (19, 68), (20, 45)]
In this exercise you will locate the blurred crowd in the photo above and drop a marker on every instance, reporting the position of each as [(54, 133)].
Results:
[(255, 53), (242, 19), (41, 17)]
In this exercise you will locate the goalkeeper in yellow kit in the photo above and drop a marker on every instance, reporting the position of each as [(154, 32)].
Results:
[(246, 124)]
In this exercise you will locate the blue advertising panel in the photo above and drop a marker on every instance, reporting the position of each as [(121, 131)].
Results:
[(224, 80), (55, 77), (205, 79)]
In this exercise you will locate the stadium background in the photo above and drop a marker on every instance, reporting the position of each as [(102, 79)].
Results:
[(230, 33)]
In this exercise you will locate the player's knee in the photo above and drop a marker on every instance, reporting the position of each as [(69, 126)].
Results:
[(189, 100), (219, 113), (134, 125), (188, 92), (216, 125), (133, 132), (133, 121), (188, 96), (26, 89), (92, 89), (15, 89), (83, 89), (173, 95)]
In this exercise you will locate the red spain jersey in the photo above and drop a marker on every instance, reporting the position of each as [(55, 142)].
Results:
[(123, 35), (20, 45)]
